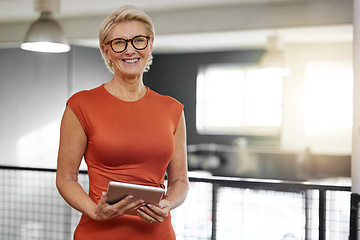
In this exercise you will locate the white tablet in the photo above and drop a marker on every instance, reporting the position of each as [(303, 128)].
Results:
[(119, 190)]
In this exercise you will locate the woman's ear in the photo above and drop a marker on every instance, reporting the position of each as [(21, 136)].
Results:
[(106, 53), (104, 49), (151, 45)]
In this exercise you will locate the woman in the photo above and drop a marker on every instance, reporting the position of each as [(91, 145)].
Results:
[(126, 132)]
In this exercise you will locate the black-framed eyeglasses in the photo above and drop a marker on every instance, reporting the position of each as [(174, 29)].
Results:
[(138, 42)]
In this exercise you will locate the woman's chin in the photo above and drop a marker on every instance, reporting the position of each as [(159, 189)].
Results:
[(129, 72), (130, 69)]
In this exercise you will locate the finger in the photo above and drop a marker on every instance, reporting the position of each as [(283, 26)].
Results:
[(123, 202), (103, 198), (147, 218), (158, 216), (122, 206), (132, 207), (126, 206), (162, 212)]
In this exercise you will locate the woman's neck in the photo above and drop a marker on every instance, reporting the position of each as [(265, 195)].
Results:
[(127, 90)]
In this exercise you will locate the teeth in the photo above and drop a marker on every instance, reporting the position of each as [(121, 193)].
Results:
[(130, 60)]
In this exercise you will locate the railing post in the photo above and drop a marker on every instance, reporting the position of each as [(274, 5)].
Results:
[(354, 213), (214, 210), (307, 211), (322, 214)]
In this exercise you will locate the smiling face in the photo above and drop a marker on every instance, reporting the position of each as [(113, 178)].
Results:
[(131, 62)]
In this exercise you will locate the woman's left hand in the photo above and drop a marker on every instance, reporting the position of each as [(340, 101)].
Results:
[(154, 214)]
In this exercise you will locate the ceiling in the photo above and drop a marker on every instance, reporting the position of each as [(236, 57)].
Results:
[(195, 25), (24, 9)]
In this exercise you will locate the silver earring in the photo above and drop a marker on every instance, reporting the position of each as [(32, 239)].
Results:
[(148, 64)]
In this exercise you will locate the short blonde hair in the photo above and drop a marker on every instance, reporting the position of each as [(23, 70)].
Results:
[(124, 14)]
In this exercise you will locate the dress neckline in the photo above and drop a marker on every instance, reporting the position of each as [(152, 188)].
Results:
[(125, 101)]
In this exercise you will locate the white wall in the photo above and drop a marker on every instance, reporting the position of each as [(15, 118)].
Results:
[(34, 88), (293, 135)]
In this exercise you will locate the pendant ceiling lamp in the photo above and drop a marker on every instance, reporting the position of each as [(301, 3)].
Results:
[(274, 55), (46, 34)]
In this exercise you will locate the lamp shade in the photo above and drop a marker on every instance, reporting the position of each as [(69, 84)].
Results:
[(46, 35), (274, 55)]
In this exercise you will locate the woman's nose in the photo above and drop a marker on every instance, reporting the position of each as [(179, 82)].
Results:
[(130, 49)]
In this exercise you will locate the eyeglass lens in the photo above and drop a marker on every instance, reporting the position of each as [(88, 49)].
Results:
[(138, 42)]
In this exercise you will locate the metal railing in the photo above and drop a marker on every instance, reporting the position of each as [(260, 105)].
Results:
[(216, 208)]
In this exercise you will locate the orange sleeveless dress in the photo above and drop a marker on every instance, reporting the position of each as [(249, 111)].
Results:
[(129, 142)]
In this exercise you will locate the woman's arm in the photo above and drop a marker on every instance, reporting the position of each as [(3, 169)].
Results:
[(73, 142), (178, 182)]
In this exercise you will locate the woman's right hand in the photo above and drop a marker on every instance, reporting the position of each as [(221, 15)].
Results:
[(105, 211)]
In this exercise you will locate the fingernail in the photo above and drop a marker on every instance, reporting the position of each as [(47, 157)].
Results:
[(104, 193)]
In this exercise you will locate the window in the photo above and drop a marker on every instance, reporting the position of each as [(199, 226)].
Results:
[(328, 99), (237, 100)]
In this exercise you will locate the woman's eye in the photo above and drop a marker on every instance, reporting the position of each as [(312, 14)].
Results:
[(119, 42), (139, 40)]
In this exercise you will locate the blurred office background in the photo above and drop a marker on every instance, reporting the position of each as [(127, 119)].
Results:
[(277, 140)]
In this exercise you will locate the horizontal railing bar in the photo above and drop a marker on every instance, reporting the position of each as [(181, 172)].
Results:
[(268, 184), (27, 168), (37, 169)]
